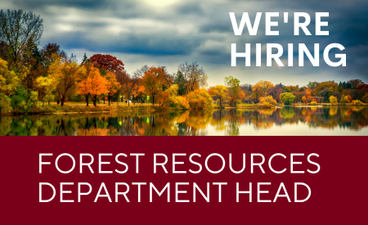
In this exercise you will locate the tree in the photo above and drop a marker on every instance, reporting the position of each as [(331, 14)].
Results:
[(365, 98), (331, 85), (276, 91), (85, 59), (199, 99), (218, 92), (333, 99), (112, 85), (175, 101), (261, 88), (195, 77), (304, 99), (129, 86), (181, 82), (19, 31), (287, 98), (46, 83), (107, 62), (90, 82), (63, 75), (234, 92), (325, 93), (355, 83), (155, 80), (48, 54), (9, 81), (140, 93)]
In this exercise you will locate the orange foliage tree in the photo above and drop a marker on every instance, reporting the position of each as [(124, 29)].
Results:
[(261, 88), (155, 80), (112, 85), (90, 82)]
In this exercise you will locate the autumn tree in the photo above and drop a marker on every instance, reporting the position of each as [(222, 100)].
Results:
[(234, 92), (140, 93), (112, 85), (155, 80), (129, 86), (218, 92), (276, 91), (9, 81), (199, 100), (260, 89), (49, 51), (63, 75), (107, 62), (90, 82), (194, 76), (20, 31), (304, 99), (333, 99), (355, 83), (46, 84)]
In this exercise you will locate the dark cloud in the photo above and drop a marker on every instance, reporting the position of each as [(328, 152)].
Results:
[(199, 30)]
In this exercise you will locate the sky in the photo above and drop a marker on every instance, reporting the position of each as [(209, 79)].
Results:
[(171, 32)]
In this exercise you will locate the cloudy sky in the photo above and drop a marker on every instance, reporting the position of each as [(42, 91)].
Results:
[(170, 32)]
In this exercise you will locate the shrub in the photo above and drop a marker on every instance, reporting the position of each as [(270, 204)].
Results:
[(178, 102), (268, 99), (287, 98), (314, 103), (265, 105), (199, 99), (5, 104)]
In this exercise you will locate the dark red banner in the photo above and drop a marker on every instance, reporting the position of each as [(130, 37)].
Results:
[(205, 180)]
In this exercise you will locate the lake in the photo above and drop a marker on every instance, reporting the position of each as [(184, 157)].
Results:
[(281, 121)]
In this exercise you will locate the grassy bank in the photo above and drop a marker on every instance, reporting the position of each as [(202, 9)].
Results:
[(77, 108)]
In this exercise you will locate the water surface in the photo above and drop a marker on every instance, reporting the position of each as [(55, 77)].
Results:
[(281, 121)]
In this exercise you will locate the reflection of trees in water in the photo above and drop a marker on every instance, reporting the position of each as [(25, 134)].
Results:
[(182, 123)]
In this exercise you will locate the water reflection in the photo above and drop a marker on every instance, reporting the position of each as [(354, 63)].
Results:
[(225, 122)]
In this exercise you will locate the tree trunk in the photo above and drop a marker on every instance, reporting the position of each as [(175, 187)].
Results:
[(94, 100), (153, 100), (109, 99), (87, 100), (62, 101)]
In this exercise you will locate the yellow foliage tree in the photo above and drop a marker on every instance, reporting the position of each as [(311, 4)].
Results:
[(199, 99), (218, 92), (62, 74)]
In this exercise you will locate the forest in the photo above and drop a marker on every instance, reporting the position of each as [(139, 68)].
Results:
[(36, 79)]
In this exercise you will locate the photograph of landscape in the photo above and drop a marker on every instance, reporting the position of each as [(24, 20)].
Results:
[(162, 68)]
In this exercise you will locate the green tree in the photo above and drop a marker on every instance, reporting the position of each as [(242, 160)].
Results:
[(287, 98), (234, 92)]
